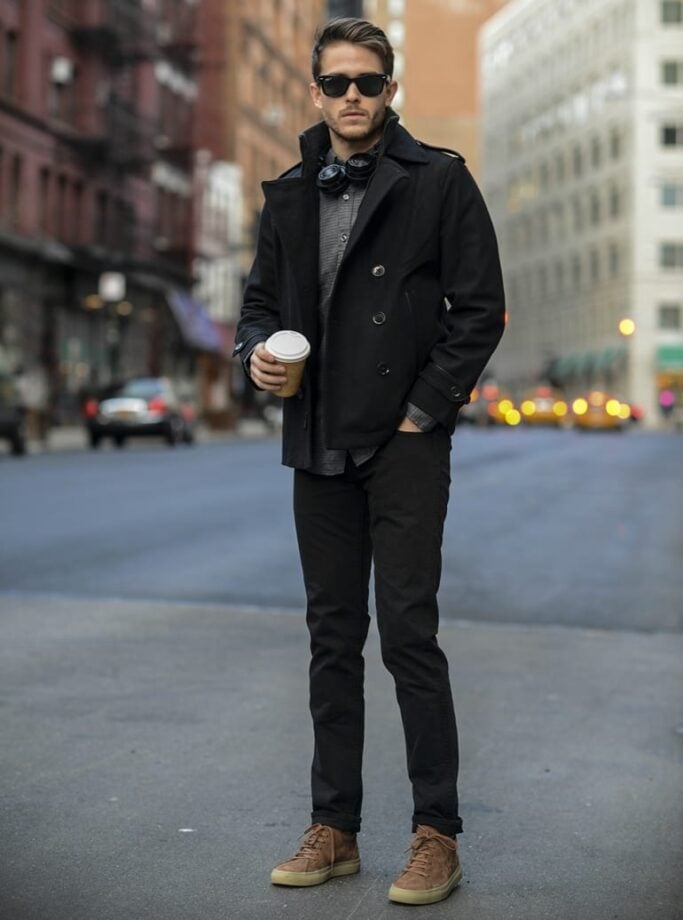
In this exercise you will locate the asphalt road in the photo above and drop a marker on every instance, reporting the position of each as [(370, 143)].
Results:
[(153, 701), (543, 527)]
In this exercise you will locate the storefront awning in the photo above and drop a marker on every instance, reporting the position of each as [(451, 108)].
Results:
[(669, 357), (196, 326)]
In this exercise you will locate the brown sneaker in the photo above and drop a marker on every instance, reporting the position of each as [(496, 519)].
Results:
[(432, 872), (325, 853)]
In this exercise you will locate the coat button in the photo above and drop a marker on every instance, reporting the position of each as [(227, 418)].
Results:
[(455, 393), (379, 318), (382, 369), (378, 271)]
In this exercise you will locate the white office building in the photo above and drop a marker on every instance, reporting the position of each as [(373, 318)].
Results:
[(583, 173)]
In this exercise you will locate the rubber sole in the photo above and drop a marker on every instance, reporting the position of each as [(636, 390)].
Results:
[(430, 896), (307, 879)]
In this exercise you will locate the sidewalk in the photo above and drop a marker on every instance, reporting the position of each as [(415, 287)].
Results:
[(74, 437), (155, 765)]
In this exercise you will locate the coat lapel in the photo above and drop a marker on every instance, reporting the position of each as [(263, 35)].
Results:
[(388, 174)]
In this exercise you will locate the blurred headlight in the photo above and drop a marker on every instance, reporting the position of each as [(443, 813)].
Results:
[(512, 417), (580, 406), (528, 407), (613, 407), (560, 408), (624, 412), (505, 406)]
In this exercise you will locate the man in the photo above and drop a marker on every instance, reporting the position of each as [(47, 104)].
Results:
[(381, 252)]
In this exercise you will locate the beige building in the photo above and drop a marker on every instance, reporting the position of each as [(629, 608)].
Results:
[(436, 65), (583, 165)]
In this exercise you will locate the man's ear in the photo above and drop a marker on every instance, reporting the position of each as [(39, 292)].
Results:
[(315, 92), (391, 91)]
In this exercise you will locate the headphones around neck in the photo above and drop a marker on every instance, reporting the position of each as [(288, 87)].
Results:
[(357, 170)]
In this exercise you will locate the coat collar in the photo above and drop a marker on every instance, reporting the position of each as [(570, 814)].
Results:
[(395, 143)]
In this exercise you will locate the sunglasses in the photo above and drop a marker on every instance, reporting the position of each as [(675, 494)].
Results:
[(367, 84)]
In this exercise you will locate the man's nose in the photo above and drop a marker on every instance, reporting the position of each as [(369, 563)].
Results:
[(352, 93)]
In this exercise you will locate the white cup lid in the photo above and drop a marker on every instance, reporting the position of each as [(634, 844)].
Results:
[(288, 345)]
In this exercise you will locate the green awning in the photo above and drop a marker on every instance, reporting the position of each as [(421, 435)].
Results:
[(669, 357), (607, 358)]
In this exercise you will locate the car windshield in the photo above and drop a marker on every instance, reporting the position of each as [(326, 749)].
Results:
[(142, 389)]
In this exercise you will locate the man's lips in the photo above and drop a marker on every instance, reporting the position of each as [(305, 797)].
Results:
[(353, 114)]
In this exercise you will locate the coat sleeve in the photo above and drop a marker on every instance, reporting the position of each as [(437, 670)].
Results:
[(260, 314), (472, 280)]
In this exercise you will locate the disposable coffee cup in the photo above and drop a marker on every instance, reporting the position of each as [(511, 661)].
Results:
[(291, 349)]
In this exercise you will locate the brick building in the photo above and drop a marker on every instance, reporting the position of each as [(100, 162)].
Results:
[(96, 165)]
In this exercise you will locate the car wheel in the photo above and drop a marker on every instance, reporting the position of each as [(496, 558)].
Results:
[(172, 433), (119, 440), (95, 440), (18, 443), (188, 435)]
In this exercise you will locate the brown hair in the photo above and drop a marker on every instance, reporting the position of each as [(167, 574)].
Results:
[(358, 31)]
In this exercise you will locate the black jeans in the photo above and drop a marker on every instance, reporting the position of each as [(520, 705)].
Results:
[(390, 511)]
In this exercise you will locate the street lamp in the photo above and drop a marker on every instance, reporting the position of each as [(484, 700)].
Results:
[(626, 326)]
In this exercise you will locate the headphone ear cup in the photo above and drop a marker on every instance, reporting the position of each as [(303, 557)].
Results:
[(361, 167), (333, 179)]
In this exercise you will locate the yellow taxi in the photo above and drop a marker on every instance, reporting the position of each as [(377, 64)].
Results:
[(543, 406), (600, 410), (490, 405)]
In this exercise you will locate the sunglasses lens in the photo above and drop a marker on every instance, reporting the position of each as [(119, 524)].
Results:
[(334, 85), (370, 84)]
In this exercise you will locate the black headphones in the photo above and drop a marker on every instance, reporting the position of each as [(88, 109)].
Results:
[(357, 170)]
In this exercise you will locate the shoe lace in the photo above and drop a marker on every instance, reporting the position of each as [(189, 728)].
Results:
[(315, 838), (422, 851)]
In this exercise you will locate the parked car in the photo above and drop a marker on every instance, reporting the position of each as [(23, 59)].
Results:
[(147, 406), (543, 405), (12, 416), (600, 410)]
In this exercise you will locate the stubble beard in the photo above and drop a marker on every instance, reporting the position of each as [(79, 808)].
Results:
[(352, 135)]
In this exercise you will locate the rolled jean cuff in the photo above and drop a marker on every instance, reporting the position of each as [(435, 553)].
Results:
[(447, 828), (342, 822)]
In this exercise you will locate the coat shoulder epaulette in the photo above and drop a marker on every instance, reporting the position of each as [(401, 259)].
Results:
[(445, 150)]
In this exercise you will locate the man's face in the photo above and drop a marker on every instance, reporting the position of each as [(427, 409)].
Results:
[(355, 121)]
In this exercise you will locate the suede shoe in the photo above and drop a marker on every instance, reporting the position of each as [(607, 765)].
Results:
[(325, 853), (433, 870)]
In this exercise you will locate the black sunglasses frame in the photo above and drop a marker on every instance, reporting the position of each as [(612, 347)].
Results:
[(323, 82)]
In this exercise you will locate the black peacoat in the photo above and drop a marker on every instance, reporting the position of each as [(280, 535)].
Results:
[(418, 305)]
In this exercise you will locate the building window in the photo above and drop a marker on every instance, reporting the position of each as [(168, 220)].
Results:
[(9, 65), (594, 209), (559, 167), (615, 144), (672, 73), (671, 255), (44, 202), (100, 228), (60, 222), (15, 189), (596, 153), (577, 162), (559, 276), (669, 316), (672, 12), (576, 272), (577, 210), (613, 260), (614, 202), (672, 195), (76, 213), (594, 266), (672, 135)]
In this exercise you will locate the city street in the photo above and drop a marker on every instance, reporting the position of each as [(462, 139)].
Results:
[(153, 699)]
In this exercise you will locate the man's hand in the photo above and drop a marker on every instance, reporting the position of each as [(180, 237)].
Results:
[(265, 371), (407, 425)]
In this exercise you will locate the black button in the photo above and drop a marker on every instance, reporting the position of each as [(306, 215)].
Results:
[(378, 271), (382, 369), (379, 318), (455, 393)]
